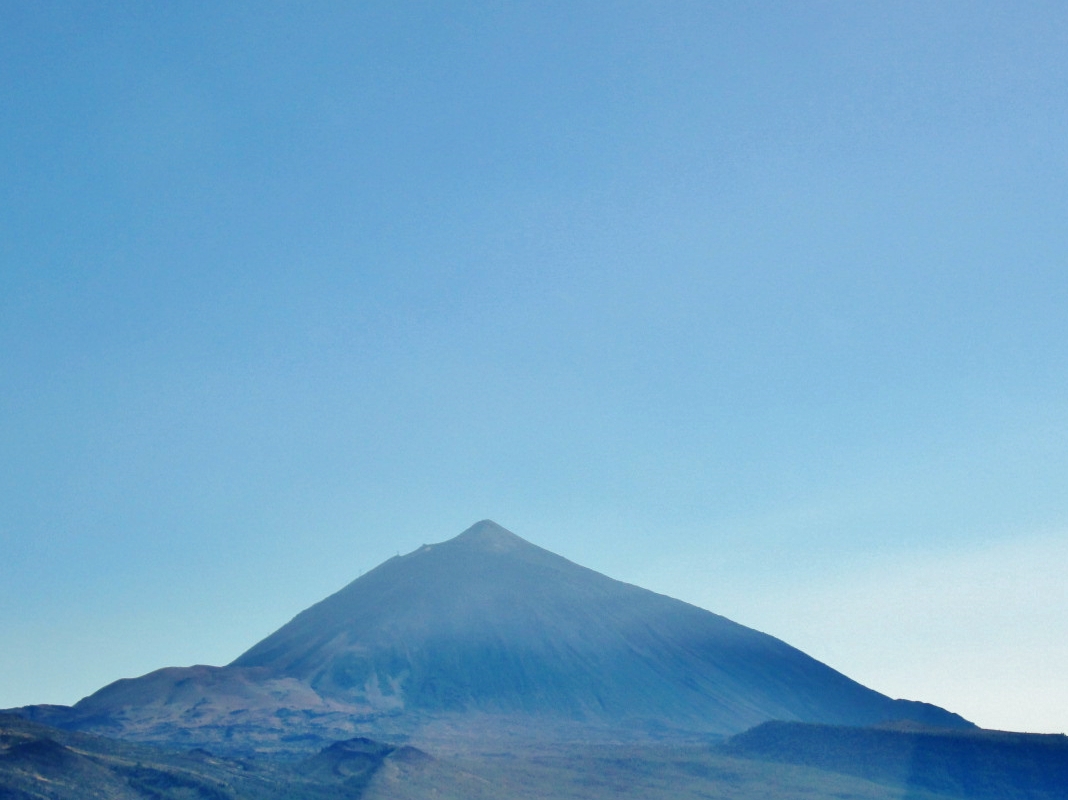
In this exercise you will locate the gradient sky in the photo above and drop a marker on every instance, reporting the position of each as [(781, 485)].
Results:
[(759, 305)]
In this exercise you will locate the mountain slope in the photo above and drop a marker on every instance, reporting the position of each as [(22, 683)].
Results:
[(488, 621), (487, 626)]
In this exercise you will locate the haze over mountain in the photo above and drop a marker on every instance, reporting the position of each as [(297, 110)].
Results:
[(487, 628)]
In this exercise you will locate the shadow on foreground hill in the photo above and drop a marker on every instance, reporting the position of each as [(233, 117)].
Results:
[(984, 765)]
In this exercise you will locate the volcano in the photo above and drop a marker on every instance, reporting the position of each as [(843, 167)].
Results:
[(489, 629)]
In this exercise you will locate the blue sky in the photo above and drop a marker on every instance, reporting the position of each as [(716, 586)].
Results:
[(759, 305)]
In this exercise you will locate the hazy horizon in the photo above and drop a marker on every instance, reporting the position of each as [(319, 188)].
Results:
[(756, 305)]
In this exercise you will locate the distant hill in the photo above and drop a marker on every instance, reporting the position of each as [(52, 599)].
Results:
[(487, 631), (980, 765)]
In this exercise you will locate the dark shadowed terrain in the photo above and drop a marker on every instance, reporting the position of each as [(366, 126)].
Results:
[(781, 763), (973, 764), (41, 762)]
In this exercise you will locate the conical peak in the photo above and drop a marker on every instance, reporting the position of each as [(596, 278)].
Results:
[(487, 622), (488, 535)]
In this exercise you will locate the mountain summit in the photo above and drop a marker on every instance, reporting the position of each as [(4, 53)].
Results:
[(490, 535), (488, 626)]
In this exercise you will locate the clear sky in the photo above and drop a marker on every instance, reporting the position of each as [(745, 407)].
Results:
[(757, 304)]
